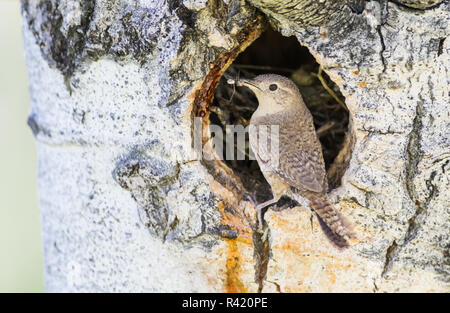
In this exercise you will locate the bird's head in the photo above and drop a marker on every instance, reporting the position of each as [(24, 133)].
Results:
[(274, 92)]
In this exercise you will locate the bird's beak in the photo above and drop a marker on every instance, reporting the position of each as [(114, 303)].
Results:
[(248, 83)]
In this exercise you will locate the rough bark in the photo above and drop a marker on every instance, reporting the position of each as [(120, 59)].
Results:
[(126, 206)]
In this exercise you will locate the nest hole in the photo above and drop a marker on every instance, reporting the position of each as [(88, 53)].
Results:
[(273, 53)]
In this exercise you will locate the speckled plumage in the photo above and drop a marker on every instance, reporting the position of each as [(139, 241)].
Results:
[(300, 163)]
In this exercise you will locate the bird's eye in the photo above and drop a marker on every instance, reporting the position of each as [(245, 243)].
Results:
[(273, 87)]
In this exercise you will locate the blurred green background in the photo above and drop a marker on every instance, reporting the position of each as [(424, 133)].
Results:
[(21, 265)]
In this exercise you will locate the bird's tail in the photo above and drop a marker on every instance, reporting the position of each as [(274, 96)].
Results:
[(335, 226)]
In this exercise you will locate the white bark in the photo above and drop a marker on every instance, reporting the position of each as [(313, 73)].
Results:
[(125, 205)]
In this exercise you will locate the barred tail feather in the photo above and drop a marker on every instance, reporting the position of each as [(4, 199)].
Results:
[(337, 240), (334, 225)]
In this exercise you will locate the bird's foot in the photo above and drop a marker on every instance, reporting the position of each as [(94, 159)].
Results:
[(280, 208)]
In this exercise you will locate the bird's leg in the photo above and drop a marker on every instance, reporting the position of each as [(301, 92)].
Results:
[(260, 207)]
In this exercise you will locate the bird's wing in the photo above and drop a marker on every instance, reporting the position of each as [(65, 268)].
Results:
[(300, 161)]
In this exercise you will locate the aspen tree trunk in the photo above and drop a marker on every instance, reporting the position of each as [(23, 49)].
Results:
[(127, 206)]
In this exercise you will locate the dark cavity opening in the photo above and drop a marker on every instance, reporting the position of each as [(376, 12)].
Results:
[(273, 53)]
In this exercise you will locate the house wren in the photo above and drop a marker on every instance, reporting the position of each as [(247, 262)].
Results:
[(298, 167)]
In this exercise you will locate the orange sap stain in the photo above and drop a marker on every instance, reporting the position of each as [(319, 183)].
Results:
[(236, 223), (332, 277), (233, 281)]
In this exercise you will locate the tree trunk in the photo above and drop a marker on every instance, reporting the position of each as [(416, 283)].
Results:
[(126, 203)]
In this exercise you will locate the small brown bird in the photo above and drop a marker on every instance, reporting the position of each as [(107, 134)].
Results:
[(299, 162)]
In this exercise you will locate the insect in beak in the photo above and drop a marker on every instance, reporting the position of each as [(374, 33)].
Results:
[(248, 83)]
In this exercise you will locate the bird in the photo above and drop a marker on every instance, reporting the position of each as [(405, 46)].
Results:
[(297, 168)]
